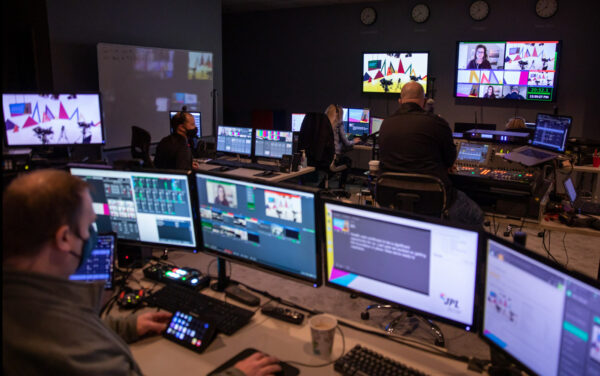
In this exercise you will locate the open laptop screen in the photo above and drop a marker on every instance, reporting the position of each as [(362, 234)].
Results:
[(551, 132)]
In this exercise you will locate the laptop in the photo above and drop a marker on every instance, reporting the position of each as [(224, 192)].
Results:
[(580, 205), (99, 267), (549, 141)]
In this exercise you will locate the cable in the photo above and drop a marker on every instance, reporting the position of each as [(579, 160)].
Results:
[(548, 248), (328, 363), (565, 248)]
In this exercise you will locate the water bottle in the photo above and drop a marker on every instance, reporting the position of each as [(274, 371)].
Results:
[(303, 161)]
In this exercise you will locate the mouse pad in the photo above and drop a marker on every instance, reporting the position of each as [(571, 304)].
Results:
[(286, 369)]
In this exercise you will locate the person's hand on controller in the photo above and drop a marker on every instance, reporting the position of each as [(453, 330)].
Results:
[(258, 364), (152, 322)]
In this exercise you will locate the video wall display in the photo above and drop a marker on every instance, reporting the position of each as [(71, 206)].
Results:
[(389, 72), (521, 70)]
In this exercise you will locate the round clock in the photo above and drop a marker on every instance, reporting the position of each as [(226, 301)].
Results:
[(546, 8), (479, 10), (368, 16), (420, 13)]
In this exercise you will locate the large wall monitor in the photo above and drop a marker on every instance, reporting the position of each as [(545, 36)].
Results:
[(273, 144), (389, 72), (152, 208), (546, 318), (235, 140), (268, 226), (52, 119), (197, 120), (428, 267), (519, 70), (297, 122)]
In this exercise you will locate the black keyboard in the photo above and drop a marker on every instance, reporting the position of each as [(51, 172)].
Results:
[(238, 164), (227, 318), (536, 153), (225, 162), (588, 207), (364, 362)]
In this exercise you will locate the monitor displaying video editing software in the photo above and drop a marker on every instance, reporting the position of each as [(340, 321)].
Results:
[(100, 265), (544, 317), (297, 122), (197, 119), (142, 207), (273, 144), (52, 119), (427, 267), (356, 121), (551, 132), (235, 140), (376, 124), (265, 225)]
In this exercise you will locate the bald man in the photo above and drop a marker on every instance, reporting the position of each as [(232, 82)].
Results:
[(413, 140)]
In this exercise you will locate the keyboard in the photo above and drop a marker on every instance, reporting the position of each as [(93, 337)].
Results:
[(227, 318), (364, 362), (238, 164), (536, 153), (588, 207), (225, 162)]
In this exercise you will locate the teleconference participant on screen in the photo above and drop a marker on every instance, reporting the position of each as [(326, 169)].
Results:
[(523, 70), (546, 319), (274, 227), (52, 119), (426, 266), (138, 206), (388, 72)]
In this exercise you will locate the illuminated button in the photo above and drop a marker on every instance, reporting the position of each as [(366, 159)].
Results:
[(193, 341)]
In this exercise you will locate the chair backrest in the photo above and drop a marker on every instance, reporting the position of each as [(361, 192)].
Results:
[(316, 137), (140, 145), (417, 193)]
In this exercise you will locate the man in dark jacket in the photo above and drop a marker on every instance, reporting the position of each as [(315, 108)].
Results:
[(415, 141), (173, 151)]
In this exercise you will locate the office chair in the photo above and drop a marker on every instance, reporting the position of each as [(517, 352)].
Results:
[(140, 145), (417, 193)]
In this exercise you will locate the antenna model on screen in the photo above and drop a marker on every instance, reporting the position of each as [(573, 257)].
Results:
[(52, 119), (419, 264), (268, 226), (389, 72)]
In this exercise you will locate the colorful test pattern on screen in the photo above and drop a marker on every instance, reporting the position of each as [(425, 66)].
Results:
[(524, 70), (273, 144), (52, 119), (389, 72)]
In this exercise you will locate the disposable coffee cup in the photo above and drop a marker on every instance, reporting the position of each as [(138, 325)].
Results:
[(373, 166), (322, 330)]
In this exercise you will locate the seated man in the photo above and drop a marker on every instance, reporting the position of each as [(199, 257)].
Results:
[(51, 325), (415, 141), (173, 151)]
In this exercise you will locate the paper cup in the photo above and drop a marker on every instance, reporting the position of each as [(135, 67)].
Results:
[(322, 330), (373, 166)]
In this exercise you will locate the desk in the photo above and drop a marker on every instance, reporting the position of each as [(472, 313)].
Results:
[(557, 226), (249, 173), (360, 155)]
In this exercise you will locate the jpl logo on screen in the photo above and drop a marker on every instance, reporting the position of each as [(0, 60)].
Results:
[(451, 303)]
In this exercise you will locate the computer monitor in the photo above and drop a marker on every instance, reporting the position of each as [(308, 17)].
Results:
[(234, 140), (197, 119), (100, 265), (551, 132), (544, 317), (375, 124), (152, 208), (52, 119), (297, 122), (425, 265), (269, 226), (273, 144), (471, 152), (357, 121)]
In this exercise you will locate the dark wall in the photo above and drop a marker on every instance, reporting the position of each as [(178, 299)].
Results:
[(303, 59), (76, 27)]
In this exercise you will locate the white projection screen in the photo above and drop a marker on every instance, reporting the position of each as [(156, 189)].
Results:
[(140, 85)]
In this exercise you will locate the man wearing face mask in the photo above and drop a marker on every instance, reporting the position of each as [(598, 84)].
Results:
[(51, 325), (174, 151)]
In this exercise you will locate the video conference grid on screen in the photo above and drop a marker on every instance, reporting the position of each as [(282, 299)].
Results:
[(52, 119), (524, 70), (99, 266), (273, 144), (389, 72), (147, 207), (271, 226), (544, 318), (297, 122), (237, 140), (426, 266), (197, 120)]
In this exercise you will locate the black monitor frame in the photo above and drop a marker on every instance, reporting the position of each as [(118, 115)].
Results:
[(199, 126), (45, 146), (250, 155), (392, 94), (193, 204), (536, 257), (476, 318), (316, 282)]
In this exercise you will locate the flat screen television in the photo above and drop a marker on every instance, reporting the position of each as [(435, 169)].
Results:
[(516, 70), (387, 72), (52, 119)]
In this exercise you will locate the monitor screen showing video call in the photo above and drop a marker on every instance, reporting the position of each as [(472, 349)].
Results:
[(518, 70), (389, 72)]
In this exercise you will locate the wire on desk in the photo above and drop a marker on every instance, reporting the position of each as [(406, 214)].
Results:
[(565, 248), (328, 363), (547, 249)]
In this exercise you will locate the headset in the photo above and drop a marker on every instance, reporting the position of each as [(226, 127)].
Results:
[(179, 118)]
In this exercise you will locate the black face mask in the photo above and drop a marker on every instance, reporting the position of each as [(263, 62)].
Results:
[(192, 133)]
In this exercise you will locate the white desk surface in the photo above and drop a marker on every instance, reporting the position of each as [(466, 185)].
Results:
[(249, 173), (557, 226)]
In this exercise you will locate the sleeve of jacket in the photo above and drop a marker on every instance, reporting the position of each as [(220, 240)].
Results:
[(447, 143), (125, 327)]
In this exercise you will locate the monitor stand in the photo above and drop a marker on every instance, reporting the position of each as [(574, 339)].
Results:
[(222, 278)]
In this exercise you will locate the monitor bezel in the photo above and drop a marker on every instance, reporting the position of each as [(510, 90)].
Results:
[(500, 100), (193, 197), (566, 139), (530, 254), (315, 282), (173, 113), (475, 319), (250, 155), (392, 52), (270, 157), (42, 146)]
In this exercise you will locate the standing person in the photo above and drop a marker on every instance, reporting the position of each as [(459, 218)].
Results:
[(335, 114), (173, 151)]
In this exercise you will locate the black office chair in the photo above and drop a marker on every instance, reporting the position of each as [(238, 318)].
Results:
[(416, 193), (140, 145)]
